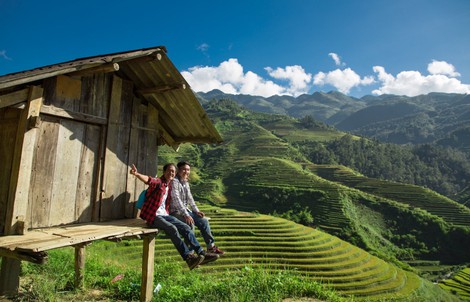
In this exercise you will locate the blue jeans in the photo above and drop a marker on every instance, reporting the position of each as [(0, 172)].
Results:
[(173, 228), (202, 224)]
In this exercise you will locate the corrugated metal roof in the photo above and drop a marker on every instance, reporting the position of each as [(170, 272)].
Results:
[(155, 79)]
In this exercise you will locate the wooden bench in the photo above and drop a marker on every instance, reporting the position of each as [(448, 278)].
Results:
[(33, 245)]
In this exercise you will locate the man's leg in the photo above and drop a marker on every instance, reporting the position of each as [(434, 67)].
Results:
[(187, 233), (203, 225), (171, 231)]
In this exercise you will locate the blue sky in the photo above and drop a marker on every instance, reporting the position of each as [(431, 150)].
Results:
[(258, 47)]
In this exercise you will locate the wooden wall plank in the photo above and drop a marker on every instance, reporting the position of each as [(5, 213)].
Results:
[(95, 95), (8, 128), (66, 172), (134, 186), (88, 174), (18, 198), (42, 177), (114, 196), (143, 150), (63, 92)]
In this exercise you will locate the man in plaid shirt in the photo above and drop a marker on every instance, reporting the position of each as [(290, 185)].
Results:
[(155, 212), (182, 200)]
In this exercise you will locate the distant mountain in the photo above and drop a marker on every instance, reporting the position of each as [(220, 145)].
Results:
[(434, 118), (442, 118), (330, 107)]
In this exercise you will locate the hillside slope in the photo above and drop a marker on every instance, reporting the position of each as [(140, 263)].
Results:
[(441, 118), (256, 169), (274, 244)]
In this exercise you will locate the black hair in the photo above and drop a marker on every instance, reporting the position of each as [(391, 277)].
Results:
[(167, 166), (182, 163)]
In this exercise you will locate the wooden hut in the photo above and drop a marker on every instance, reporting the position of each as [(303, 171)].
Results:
[(68, 134)]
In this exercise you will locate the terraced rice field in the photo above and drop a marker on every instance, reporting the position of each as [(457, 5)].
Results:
[(459, 284), (255, 240), (415, 196)]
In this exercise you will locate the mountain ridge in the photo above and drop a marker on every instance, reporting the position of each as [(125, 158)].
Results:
[(439, 118)]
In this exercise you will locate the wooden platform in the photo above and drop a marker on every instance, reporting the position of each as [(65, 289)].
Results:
[(41, 240), (34, 244)]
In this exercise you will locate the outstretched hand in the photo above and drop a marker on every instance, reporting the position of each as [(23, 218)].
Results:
[(133, 170)]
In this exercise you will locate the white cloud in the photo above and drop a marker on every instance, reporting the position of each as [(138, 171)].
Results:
[(442, 67), (336, 58), (412, 83), (296, 76), (3, 54), (229, 77), (342, 79)]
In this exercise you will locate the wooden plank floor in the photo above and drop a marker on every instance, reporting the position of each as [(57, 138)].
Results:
[(40, 240)]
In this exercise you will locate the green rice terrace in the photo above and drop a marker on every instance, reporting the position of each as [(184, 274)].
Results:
[(411, 195), (275, 244), (459, 284), (258, 170)]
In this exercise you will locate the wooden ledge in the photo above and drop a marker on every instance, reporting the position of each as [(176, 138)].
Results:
[(32, 245)]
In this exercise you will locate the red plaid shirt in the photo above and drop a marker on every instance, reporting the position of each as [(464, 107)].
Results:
[(154, 199)]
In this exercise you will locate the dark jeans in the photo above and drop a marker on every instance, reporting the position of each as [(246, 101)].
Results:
[(202, 224), (173, 228)]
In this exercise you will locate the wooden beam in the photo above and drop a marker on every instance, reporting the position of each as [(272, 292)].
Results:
[(30, 77), (155, 56), (148, 257), (161, 89), (13, 98), (37, 258), (105, 68), (78, 116)]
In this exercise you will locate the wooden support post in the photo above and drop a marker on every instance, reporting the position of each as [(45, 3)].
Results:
[(79, 265), (148, 257), (10, 281)]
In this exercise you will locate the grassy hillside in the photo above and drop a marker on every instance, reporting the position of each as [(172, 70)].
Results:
[(277, 245), (257, 168), (267, 259)]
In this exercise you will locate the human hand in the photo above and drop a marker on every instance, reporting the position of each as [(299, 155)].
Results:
[(200, 214), (133, 170), (189, 220)]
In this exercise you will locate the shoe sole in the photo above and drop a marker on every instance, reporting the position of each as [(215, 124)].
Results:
[(196, 264), (208, 260)]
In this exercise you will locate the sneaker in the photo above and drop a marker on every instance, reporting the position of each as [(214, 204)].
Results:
[(209, 257), (215, 250), (194, 260)]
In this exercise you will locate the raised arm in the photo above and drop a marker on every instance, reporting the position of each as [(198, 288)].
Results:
[(141, 177)]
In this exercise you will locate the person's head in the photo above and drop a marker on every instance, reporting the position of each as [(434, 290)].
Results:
[(184, 168), (169, 171)]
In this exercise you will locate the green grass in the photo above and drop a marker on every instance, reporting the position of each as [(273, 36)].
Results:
[(53, 281), (267, 259)]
